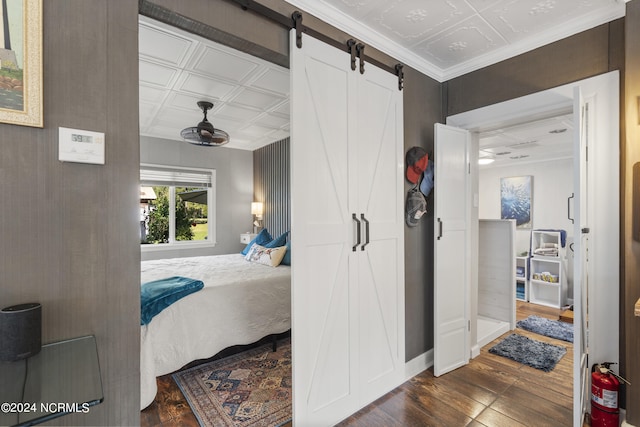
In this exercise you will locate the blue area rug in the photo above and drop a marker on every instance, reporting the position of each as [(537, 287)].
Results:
[(529, 352), (549, 328)]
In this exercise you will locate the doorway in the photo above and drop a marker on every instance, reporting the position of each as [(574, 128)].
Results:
[(601, 125), (534, 157)]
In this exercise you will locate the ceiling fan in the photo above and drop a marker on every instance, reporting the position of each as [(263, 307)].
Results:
[(204, 133)]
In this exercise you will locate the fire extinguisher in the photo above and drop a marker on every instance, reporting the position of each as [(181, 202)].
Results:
[(605, 385)]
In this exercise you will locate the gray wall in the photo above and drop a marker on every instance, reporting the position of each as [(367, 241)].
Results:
[(67, 230), (234, 189), (422, 109), (583, 55)]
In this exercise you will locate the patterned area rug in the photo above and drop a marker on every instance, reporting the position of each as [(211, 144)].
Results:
[(549, 328), (249, 389), (530, 352)]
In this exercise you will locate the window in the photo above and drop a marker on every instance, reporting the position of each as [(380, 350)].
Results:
[(177, 206)]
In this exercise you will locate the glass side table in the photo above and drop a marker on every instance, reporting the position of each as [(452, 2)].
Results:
[(63, 378)]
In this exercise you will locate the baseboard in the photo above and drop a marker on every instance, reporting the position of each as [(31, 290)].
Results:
[(475, 351), (623, 417), (418, 364)]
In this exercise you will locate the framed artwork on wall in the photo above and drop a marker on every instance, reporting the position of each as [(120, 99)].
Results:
[(515, 200), (21, 62)]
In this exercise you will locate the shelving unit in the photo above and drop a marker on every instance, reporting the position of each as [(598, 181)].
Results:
[(522, 278), (547, 280)]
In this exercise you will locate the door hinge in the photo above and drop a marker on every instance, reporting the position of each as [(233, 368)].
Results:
[(469, 325), (469, 168)]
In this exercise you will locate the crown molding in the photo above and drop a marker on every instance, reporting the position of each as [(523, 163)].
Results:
[(364, 33)]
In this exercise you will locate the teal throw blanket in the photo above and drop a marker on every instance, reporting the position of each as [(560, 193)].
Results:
[(157, 295)]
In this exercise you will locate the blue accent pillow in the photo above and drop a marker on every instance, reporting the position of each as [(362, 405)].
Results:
[(286, 260), (262, 239), (281, 240)]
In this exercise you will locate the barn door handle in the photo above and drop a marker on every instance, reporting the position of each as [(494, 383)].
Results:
[(439, 228), (366, 231), (569, 206), (355, 218)]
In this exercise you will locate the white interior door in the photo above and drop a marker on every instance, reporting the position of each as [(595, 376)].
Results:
[(347, 234), (380, 196), (451, 253), (580, 254), (322, 230)]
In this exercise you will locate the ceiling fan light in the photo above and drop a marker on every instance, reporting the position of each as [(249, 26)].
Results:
[(205, 134)]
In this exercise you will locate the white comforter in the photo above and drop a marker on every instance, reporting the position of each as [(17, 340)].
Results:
[(240, 303)]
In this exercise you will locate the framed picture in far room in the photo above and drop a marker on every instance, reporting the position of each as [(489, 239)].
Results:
[(515, 200), (21, 62)]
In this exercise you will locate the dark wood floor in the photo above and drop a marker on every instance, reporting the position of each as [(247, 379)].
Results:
[(489, 391)]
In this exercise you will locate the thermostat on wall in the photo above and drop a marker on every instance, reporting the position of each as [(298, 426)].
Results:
[(80, 146)]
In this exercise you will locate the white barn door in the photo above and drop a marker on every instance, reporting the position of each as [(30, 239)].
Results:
[(347, 234), (451, 249), (380, 199)]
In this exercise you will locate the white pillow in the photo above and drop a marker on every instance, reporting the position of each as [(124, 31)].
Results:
[(267, 256)]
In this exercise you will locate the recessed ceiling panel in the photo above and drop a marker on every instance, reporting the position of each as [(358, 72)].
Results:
[(163, 46), (187, 101), (220, 64), (151, 94), (517, 19), (413, 20), (206, 87), (256, 99), (256, 131), (178, 118), (359, 7), (284, 109), (481, 5), (238, 112), (461, 43), (156, 74), (274, 81), (272, 121)]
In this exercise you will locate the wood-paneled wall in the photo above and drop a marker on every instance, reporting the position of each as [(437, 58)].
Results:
[(68, 230), (271, 185)]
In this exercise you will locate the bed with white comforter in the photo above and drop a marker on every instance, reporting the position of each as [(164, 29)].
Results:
[(241, 302)]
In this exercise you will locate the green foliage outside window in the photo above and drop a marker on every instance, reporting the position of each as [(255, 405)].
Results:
[(159, 218)]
